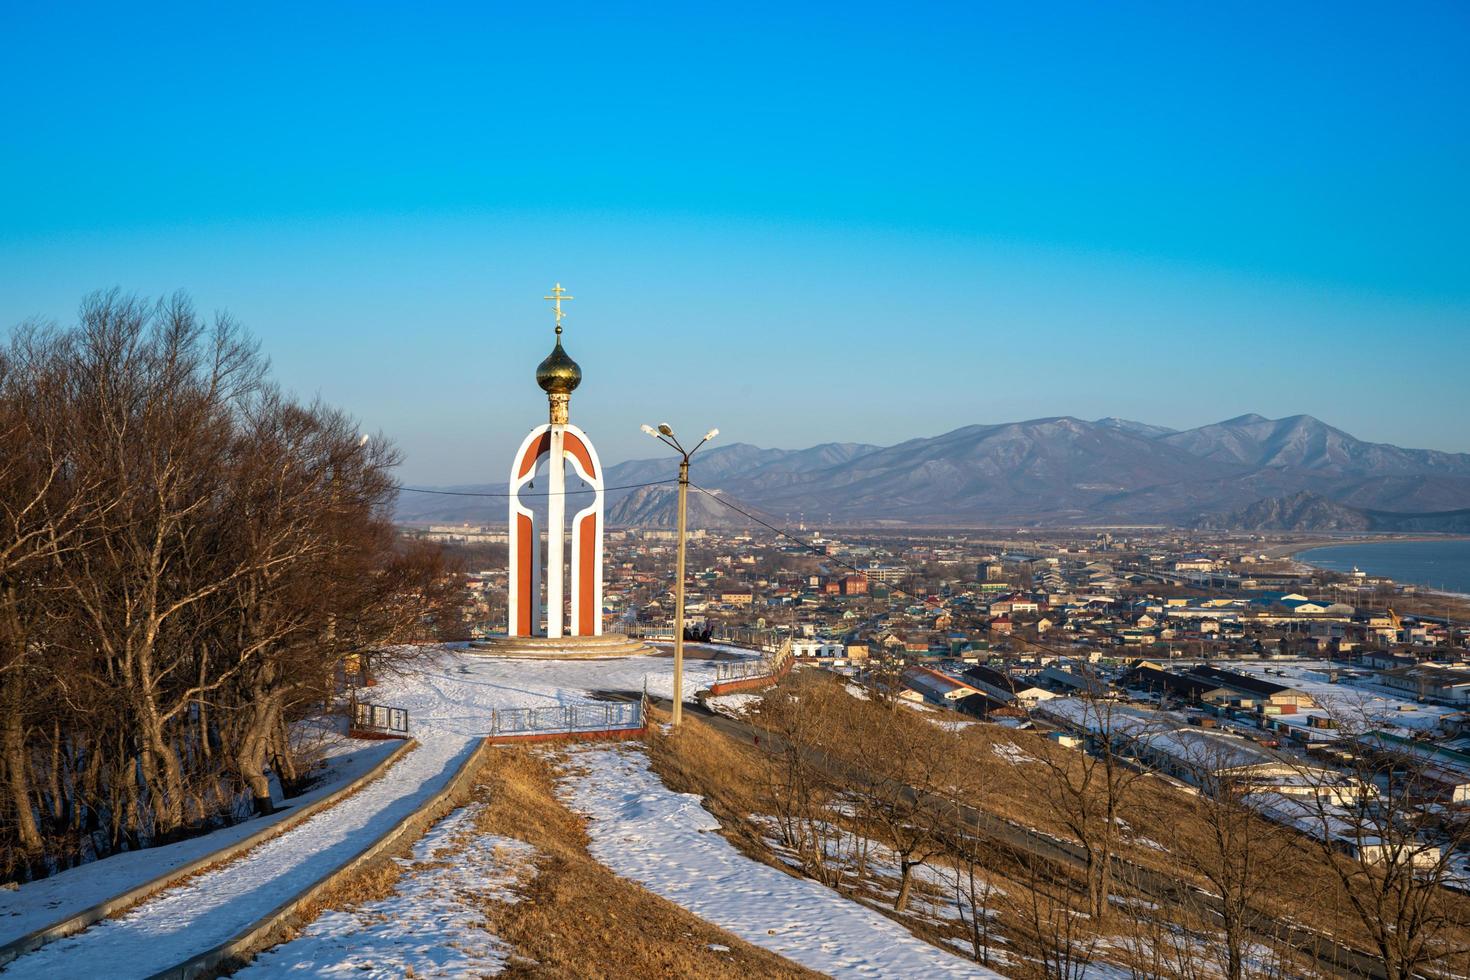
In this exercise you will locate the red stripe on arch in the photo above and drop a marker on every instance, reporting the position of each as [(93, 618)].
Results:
[(525, 541), (534, 452), (587, 607), (578, 448)]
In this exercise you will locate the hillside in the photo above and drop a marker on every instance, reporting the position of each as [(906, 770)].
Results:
[(658, 507), (1308, 511), (1305, 511)]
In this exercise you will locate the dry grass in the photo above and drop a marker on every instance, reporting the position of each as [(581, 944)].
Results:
[(1303, 887), (734, 779), (728, 774), (375, 880), (577, 919)]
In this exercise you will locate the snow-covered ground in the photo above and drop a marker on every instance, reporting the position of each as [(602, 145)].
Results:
[(873, 867), (733, 705), (455, 690), (38, 904), (668, 843), (1012, 753), (431, 926), (211, 908), (449, 697), (951, 721), (1351, 701)]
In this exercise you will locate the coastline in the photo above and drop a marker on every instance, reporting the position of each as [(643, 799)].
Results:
[(1292, 549), (1297, 550), (1458, 602)]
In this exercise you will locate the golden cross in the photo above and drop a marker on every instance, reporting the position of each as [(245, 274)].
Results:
[(557, 295)]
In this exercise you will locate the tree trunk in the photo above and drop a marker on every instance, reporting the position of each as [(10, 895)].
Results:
[(905, 885), (1234, 945), (252, 755), (251, 762), (169, 810), (18, 780), (129, 829), (89, 816), (1099, 881), (284, 762), (61, 796), (165, 776)]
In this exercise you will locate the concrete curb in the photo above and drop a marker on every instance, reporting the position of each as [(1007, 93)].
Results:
[(234, 953), (72, 924)]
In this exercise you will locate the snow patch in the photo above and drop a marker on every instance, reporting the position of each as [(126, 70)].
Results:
[(1012, 753), (667, 842), (430, 927), (733, 705), (455, 691), (449, 695)]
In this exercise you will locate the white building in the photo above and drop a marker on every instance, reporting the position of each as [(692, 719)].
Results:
[(817, 648)]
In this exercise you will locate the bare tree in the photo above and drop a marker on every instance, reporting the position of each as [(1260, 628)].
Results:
[(1390, 845), (799, 717), (1092, 790), (185, 558), (41, 509), (908, 781), (1226, 842), (1048, 908), (975, 894)]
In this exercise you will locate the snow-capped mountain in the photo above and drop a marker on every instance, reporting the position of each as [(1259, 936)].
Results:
[(1055, 470)]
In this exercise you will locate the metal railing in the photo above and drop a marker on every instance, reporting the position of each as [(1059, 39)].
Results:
[(379, 718), (757, 639), (765, 667), (588, 716)]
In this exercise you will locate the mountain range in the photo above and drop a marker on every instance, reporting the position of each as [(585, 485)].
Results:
[(1058, 470)]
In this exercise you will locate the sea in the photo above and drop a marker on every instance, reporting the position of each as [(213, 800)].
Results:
[(1442, 565)]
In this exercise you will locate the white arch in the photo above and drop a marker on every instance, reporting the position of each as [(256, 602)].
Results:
[(522, 578), (593, 510), (518, 479)]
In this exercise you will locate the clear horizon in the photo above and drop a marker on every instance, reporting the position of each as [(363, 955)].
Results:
[(823, 225)]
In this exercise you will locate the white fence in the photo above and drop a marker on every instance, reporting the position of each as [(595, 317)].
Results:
[(587, 716), (756, 639), (764, 667)]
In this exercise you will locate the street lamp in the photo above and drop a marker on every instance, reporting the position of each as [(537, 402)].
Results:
[(665, 434)]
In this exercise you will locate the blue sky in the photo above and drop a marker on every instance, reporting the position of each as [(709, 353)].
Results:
[(839, 222)]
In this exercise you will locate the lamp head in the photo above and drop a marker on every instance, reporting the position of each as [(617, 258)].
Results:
[(650, 430), (711, 434), (665, 429)]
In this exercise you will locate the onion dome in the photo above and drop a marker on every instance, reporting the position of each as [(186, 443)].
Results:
[(558, 374)]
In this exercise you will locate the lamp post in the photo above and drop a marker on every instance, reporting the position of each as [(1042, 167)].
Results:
[(665, 434)]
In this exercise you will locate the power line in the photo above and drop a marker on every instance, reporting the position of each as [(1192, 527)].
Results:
[(816, 551), (838, 561), (548, 493)]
